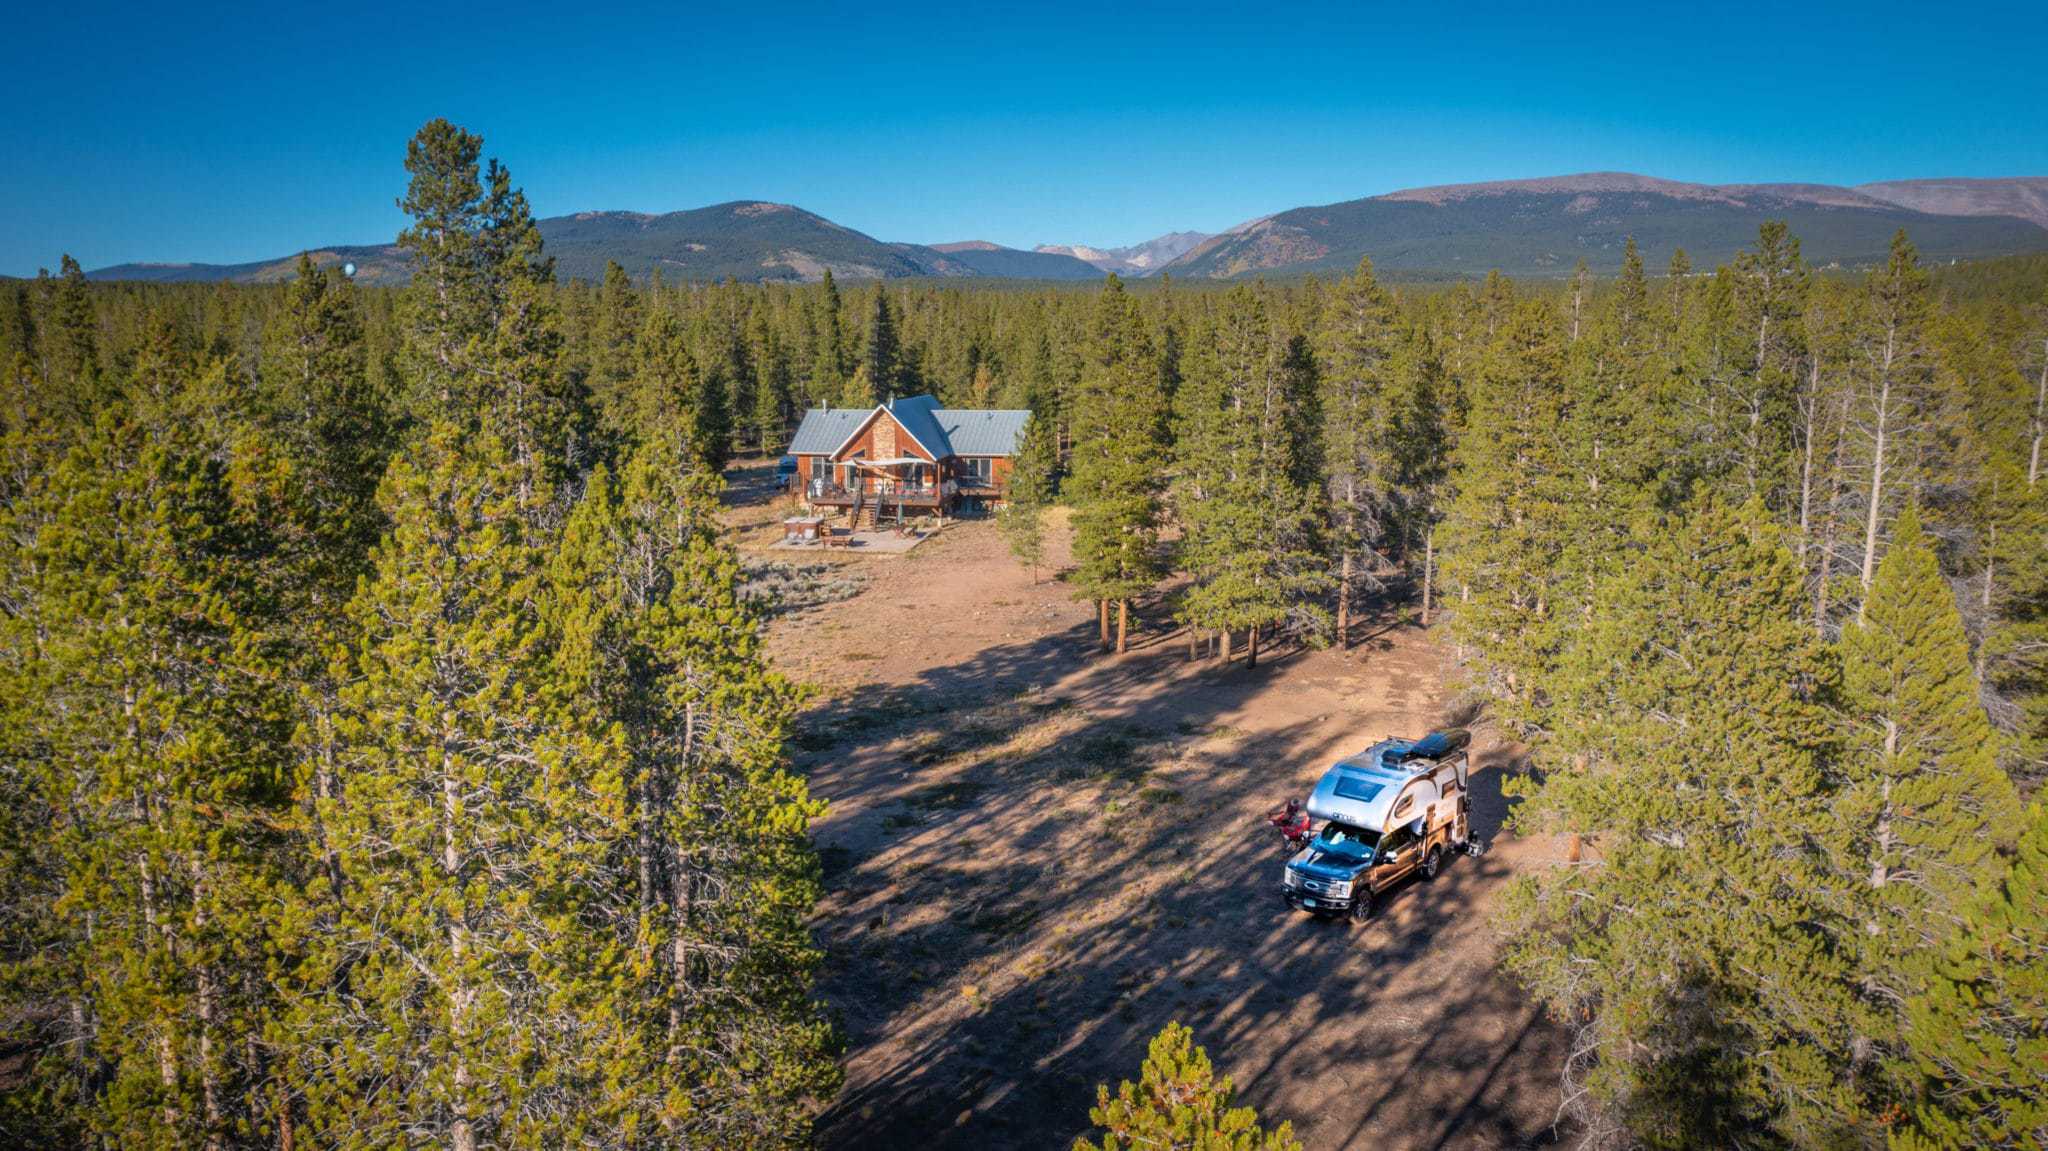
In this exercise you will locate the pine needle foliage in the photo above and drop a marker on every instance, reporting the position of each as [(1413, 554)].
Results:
[(1180, 1104)]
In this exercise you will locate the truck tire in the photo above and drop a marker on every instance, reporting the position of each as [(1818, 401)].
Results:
[(1362, 907), (1432, 862)]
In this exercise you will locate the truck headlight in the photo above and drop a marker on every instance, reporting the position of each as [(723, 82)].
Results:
[(1340, 888), (1289, 879)]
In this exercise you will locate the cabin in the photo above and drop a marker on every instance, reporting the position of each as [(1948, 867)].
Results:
[(906, 457)]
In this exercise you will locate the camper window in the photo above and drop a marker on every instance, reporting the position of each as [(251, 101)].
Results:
[(1397, 840)]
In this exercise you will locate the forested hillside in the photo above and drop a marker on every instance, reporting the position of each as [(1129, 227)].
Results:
[(746, 240), (1543, 228), (391, 758)]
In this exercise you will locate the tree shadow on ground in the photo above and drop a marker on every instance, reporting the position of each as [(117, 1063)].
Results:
[(1025, 883)]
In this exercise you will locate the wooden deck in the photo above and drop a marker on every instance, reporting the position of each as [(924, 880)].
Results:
[(925, 496)]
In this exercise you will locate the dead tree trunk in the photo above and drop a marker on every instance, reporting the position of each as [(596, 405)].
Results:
[(461, 1135), (1873, 515), (1812, 413), (1428, 572), (1344, 603), (2040, 419)]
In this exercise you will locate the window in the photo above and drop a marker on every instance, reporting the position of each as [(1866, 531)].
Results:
[(1359, 787), (976, 469), (1350, 843), (1397, 840)]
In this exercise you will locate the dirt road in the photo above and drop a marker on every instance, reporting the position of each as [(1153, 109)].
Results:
[(1036, 857)]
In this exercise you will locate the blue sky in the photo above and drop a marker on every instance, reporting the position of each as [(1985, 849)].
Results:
[(229, 133)]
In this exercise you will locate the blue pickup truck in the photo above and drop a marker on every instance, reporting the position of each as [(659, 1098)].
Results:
[(1397, 809)]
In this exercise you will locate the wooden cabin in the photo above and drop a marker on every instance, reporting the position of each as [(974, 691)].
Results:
[(906, 457)]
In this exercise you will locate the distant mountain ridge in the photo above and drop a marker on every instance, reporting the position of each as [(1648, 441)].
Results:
[(985, 259), (1135, 260), (751, 240), (2025, 197), (1538, 227), (1543, 227)]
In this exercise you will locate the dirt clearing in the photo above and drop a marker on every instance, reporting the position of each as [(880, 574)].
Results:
[(1037, 856)]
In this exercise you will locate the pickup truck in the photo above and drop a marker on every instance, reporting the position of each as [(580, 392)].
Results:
[(1397, 809)]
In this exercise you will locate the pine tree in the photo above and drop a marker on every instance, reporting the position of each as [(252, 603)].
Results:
[(859, 390), (1425, 442), (1507, 527), (316, 370), (676, 399), (472, 828), (1247, 478), (1118, 428), (2014, 592), (1361, 404), (614, 362), (1179, 1103), (1028, 491), (472, 239), (145, 684), (1894, 385), (1609, 440), (1687, 942), (1978, 1030), (828, 362), (70, 345), (714, 1022), (1918, 808), (882, 357), (1765, 347), (772, 386)]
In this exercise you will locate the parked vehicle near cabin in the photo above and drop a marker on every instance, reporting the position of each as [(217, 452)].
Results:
[(1396, 810), (785, 471)]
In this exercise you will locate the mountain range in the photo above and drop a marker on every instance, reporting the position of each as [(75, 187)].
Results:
[(1138, 259), (1544, 227), (1539, 227)]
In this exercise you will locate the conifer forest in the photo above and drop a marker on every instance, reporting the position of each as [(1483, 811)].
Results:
[(390, 755)]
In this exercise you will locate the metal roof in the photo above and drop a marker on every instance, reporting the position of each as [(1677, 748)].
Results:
[(984, 431), (824, 429), (941, 431), (1361, 789), (915, 414)]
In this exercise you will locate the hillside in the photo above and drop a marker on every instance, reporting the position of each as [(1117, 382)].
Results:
[(2022, 196), (1539, 227), (1544, 227), (375, 264), (1134, 260), (747, 240), (743, 239), (986, 259)]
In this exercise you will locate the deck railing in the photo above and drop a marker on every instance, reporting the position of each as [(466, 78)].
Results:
[(889, 491)]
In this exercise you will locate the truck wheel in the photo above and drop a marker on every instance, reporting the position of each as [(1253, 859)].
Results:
[(1431, 862), (1362, 907)]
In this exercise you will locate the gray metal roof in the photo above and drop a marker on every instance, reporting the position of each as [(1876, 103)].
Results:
[(1361, 789), (824, 429), (942, 431), (915, 413), (984, 431)]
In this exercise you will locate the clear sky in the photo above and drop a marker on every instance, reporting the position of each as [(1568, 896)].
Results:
[(229, 133)]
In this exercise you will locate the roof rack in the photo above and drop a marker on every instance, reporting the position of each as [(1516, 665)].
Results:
[(1434, 746)]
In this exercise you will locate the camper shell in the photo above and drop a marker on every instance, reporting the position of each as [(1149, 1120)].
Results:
[(1398, 808)]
